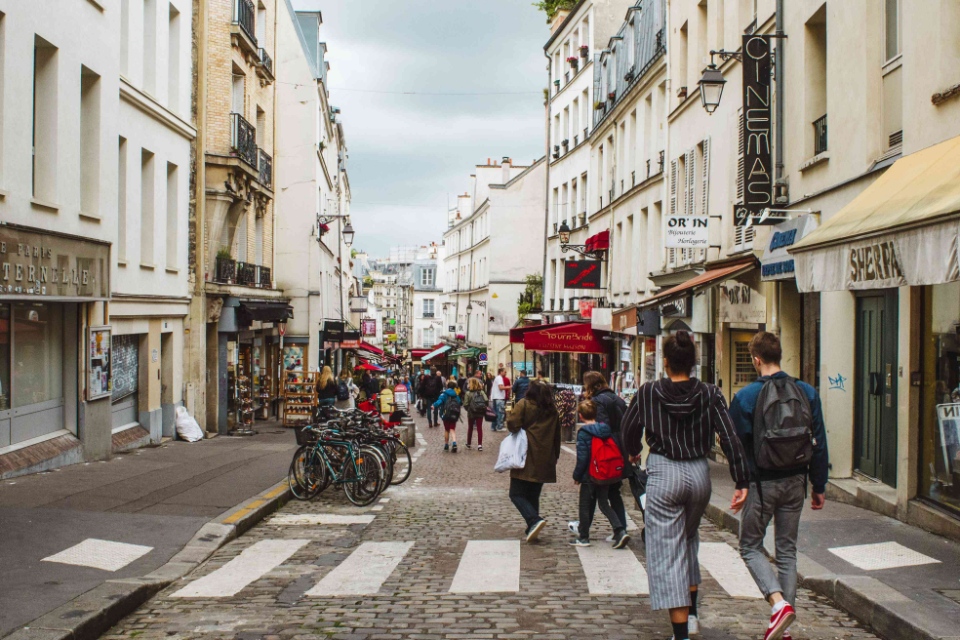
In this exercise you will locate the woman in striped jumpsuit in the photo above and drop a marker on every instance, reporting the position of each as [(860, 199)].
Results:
[(679, 416)]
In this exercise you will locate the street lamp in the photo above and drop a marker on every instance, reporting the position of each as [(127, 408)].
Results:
[(348, 234), (711, 88), (564, 232)]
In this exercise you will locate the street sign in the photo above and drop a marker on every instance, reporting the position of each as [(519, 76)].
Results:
[(581, 274), (482, 358), (687, 232), (282, 327)]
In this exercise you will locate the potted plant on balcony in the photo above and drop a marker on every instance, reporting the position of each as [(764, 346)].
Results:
[(226, 266), (574, 62), (598, 106), (584, 51), (612, 96)]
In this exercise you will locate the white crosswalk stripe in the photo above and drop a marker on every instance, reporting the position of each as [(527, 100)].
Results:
[(318, 519), (612, 571), (882, 555), (725, 565), (253, 563), (488, 566), (364, 571)]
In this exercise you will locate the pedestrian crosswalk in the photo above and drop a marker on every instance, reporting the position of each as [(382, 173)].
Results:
[(485, 566)]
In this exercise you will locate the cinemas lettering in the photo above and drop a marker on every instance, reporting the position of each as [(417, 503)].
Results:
[(875, 262), (757, 157)]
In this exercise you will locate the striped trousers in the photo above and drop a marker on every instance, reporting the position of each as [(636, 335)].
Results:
[(678, 492)]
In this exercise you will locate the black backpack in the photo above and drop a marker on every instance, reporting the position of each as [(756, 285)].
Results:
[(343, 391), (782, 426), (477, 404), (450, 409)]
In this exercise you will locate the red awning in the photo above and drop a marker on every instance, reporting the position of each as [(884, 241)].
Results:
[(702, 281), (599, 241), (517, 333), (366, 346), (570, 337)]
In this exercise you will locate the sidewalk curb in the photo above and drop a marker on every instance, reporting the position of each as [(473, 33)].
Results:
[(92, 613), (882, 608)]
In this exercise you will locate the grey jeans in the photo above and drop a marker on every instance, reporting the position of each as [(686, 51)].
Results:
[(782, 500)]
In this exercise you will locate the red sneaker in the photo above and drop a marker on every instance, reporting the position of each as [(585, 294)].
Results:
[(786, 636), (779, 622)]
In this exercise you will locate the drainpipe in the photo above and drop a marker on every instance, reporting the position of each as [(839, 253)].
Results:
[(778, 69), (546, 188)]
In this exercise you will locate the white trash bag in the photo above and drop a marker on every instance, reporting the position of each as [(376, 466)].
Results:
[(187, 427), (513, 452)]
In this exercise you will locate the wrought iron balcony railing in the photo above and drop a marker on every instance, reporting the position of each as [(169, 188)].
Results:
[(265, 169), (820, 135), (265, 60), (266, 282), (247, 274), (243, 139), (244, 15)]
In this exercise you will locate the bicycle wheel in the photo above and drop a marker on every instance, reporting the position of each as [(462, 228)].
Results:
[(403, 463), (364, 488), (304, 476)]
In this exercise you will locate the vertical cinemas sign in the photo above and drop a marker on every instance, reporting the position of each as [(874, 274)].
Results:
[(757, 158)]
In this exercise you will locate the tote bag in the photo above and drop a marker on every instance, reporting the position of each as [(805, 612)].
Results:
[(513, 452)]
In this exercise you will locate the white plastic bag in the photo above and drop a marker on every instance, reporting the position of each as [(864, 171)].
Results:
[(187, 427), (513, 452)]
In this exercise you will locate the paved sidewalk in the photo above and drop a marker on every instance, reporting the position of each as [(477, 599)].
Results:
[(151, 500), (900, 579)]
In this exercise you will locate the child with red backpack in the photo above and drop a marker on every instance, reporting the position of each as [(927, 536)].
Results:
[(600, 464)]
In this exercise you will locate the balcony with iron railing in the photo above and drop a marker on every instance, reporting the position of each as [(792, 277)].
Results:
[(265, 169), (244, 21), (246, 274), (265, 66), (820, 135), (243, 139)]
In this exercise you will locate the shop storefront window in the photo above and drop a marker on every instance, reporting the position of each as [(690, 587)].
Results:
[(38, 358), (940, 467), (4, 357)]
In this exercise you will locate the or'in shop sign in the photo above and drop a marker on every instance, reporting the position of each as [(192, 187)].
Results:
[(687, 232), (757, 158)]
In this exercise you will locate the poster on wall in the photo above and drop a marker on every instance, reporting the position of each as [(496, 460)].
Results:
[(99, 363), (293, 357), (368, 327), (948, 418)]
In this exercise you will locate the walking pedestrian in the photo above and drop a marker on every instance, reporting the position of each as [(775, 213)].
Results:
[(566, 402), (346, 391), (327, 387), (537, 415), (449, 405), (778, 419), (499, 393), (520, 386), (610, 410), (475, 400), (430, 390), (596, 491), (679, 416)]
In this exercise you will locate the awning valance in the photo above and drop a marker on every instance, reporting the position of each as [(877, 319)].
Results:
[(598, 241), (573, 337), (264, 311), (517, 333), (469, 352), (436, 352), (703, 281), (901, 230)]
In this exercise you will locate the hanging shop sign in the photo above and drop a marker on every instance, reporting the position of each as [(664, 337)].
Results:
[(757, 157), (586, 307), (34, 263), (687, 232), (648, 322), (368, 327), (581, 274), (333, 331), (777, 263), (739, 302), (99, 366), (677, 308)]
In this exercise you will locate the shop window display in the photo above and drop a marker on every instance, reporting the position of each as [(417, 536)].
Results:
[(37, 369), (940, 468)]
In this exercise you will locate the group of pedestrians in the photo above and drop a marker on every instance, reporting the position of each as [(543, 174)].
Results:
[(773, 437)]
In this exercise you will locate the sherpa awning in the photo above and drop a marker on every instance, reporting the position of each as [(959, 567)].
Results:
[(901, 230)]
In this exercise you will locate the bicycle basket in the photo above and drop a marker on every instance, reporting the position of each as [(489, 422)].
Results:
[(305, 437)]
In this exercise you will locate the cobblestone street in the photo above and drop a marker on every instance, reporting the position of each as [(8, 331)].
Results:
[(313, 589)]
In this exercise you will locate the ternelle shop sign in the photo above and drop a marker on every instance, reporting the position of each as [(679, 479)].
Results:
[(757, 155), (34, 263)]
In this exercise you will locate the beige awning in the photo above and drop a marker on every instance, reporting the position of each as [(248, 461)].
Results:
[(883, 237)]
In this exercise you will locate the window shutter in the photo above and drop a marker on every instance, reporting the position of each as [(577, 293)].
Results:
[(691, 170), (705, 188), (672, 253)]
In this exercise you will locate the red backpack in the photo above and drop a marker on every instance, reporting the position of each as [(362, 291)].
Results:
[(606, 461)]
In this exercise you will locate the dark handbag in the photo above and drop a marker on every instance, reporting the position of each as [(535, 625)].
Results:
[(490, 415), (638, 485)]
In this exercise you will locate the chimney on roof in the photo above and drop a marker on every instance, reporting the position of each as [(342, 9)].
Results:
[(488, 162), (558, 19), (507, 160)]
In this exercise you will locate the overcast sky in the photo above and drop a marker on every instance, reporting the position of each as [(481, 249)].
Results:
[(409, 152)]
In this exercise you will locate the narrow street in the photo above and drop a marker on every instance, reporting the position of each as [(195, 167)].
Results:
[(441, 557)]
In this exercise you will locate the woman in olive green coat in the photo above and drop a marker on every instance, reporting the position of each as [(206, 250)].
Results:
[(537, 415)]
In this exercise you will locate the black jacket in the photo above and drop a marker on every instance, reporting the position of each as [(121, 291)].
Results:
[(431, 388), (610, 408)]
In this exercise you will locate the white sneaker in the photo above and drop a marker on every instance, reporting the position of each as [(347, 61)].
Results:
[(609, 538), (574, 527), (693, 625)]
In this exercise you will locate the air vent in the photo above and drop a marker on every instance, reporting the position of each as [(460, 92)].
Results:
[(896, 138)]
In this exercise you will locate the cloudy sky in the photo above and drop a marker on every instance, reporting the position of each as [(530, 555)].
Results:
[(408, 153)]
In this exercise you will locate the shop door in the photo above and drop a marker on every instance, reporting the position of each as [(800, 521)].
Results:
[(876, 386), (125, 398), (742, 372)]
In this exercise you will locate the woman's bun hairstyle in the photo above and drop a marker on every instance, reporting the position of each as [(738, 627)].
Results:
[(680, 352)]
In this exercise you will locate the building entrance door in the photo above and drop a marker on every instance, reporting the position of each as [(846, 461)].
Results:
[(742, 372), (876, 386)]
